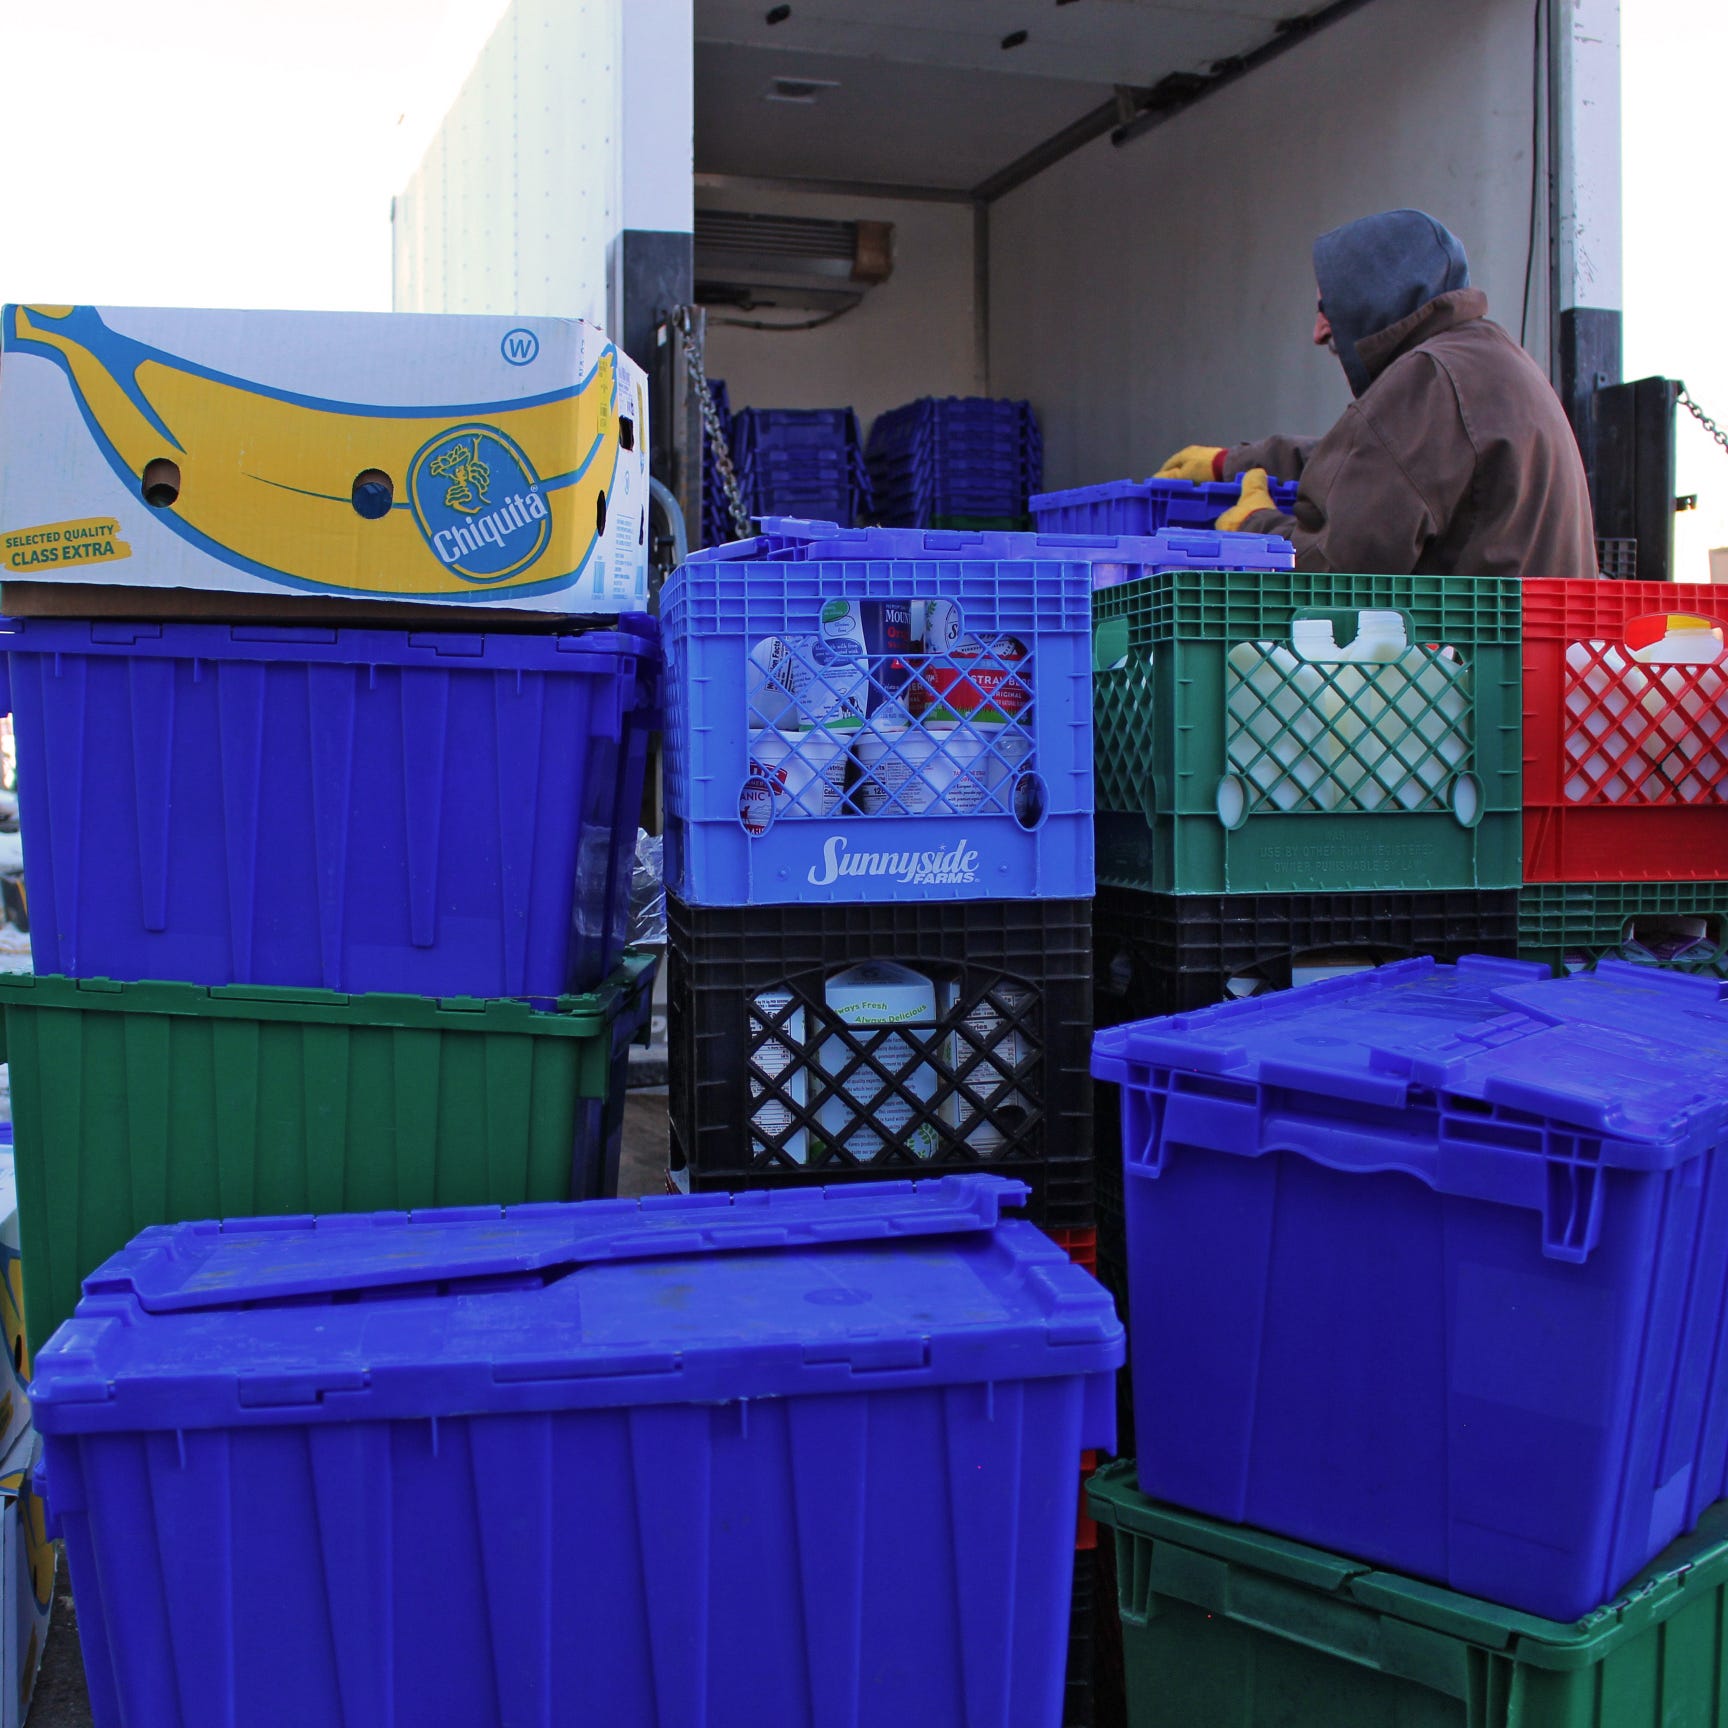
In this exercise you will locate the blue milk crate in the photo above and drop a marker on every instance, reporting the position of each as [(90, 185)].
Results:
[(982, 414), (794, 429), (1007, 748), (435, 813), (1430, 1266), (1114, 558), (821, 824), (715, 1460), (1145, 506)]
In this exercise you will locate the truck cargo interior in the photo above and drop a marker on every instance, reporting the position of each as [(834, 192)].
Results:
[(1108, 212)]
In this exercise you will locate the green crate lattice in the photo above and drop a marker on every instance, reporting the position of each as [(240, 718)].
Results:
[(1426, 746), (1599, 920)]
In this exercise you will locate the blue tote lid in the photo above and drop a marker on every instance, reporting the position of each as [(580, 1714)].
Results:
[(1632, 1053), (604, 1303)]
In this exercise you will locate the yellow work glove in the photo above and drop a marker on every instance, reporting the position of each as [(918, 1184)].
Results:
[(1256, 495), (1191, 462)]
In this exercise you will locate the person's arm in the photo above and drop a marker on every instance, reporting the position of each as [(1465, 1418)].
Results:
[(1282, 457)]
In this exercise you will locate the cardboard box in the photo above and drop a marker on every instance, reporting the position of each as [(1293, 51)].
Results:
[(27, 1565), (15, 1376), (489, 462)]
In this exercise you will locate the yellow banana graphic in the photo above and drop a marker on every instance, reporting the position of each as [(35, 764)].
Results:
[(481, 497)]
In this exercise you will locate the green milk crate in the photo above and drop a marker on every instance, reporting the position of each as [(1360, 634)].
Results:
[(1569, 926), (137, 1104), (1227, 763), (1226, 1627)]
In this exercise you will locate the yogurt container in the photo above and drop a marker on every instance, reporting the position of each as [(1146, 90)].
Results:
[(799, 681), (792, 773), (879, 993), (907, 768), (978, 680), (775, 673)]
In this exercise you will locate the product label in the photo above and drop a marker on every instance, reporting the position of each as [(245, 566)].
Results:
[(58, 546)]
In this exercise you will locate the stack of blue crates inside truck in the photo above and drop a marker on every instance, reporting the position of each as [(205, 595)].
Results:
[(879, 863), (801, 462), (962, 462)]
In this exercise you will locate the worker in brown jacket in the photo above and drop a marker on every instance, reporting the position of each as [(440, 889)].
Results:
[(1456, 457)]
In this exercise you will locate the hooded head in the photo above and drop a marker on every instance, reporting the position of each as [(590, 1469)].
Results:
[(1375, 271)]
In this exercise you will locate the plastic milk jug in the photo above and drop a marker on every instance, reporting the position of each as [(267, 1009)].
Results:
[(986, 1062), (1677, 727), (1287, 749), (879, 993), (770, 1113)]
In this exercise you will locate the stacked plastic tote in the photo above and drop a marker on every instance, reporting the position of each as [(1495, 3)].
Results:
[(801, 462), (328, 913), (1626, 775), (789, 1458), (326, 919), (959, 462), (1428, 1279)]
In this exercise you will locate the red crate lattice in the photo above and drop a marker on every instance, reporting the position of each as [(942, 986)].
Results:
[(1643, 733)]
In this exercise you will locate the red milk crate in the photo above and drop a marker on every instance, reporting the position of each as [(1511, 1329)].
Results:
[(1625, 756)]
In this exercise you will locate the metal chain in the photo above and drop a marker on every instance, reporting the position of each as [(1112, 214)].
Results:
[(736, 509), (1703, 419)]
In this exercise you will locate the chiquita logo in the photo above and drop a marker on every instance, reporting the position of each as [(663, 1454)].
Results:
[(478, 502)]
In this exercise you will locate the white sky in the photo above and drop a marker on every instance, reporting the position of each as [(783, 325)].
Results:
[(1672, 53), (244, 153), (218, 152)]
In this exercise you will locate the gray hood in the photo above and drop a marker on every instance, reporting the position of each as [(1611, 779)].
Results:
[(1376, 271)]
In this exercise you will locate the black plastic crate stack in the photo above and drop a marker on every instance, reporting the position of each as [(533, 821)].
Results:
[(717, 526), (804, 462), (959, 462), (767, 1081)]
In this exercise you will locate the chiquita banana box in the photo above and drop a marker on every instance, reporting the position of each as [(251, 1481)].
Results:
[(27, 1562), (398, 456)]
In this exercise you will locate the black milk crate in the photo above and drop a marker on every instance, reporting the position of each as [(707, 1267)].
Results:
[(1168, 953), (771, 1087)]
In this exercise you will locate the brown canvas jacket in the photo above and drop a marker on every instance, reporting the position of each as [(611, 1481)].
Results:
[(1457, 460)]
